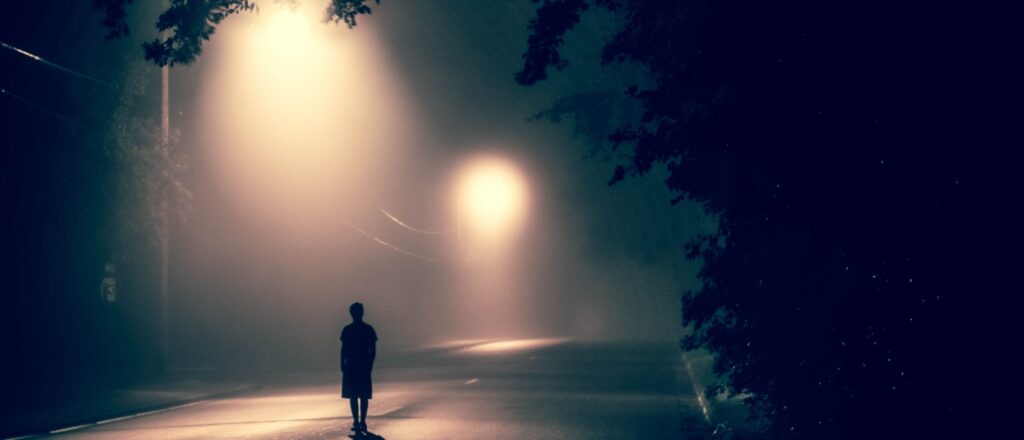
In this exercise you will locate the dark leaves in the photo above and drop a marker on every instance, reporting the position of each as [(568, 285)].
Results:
[(190, 23), (554, 18), (113, 16), (618, 175), (347, 10)]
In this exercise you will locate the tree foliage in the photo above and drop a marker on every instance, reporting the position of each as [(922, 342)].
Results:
[(839, 145), (347, 10), (149, 177), (188, 24), (114, 15)]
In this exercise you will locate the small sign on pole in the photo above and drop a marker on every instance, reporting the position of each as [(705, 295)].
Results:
[(108, 288)]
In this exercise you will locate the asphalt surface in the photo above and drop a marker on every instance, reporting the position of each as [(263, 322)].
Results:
[(540, 389)]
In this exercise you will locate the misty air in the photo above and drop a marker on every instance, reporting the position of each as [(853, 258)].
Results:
[(547, 219)]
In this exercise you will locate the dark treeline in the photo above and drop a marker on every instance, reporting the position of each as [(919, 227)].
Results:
[(858, 156)]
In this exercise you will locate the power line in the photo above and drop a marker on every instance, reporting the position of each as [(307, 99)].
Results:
[(73, 72), (41, 108), (82, 132), (391, 246), (54, 65), (400, 223)]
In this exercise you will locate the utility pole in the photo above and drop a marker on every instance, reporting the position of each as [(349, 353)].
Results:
[(163, 222)]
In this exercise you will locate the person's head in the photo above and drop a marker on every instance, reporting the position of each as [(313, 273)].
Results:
[(356, 310)]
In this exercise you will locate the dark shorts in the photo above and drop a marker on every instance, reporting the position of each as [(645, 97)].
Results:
[(356, 384)]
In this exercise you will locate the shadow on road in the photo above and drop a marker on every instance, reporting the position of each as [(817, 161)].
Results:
[(366, 436)]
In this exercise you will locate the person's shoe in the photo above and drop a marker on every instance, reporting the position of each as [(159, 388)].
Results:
[(362, 426)]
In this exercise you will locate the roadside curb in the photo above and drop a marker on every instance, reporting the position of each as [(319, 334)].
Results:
[(130, 413), (695, 411)]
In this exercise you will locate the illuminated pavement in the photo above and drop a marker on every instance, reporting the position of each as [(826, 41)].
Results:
[(526, 390)]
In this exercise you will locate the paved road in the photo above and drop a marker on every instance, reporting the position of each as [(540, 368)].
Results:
[(539, 389)]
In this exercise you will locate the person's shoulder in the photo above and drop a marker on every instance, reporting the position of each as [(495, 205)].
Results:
[(371, 330)]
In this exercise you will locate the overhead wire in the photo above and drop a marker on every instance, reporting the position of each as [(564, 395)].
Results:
[(413, 229), (82, 132), (391, 246), (73, 72), (53, 64), (40, 108)]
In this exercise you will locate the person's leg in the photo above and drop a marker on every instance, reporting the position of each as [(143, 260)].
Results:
[(364, 403), (354, 405)]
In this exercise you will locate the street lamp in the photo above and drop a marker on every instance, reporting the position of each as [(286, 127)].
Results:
[(491, 205), (307, 125), (491, 200)]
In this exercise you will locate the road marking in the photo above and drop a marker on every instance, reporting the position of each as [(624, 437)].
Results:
[(115, 419), (131, 416), (471, 381), (514, 345), (388, 411), (697, 390), (70, 428)]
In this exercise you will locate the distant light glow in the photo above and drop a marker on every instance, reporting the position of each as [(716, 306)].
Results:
[(492, 197), (305, 122), (514, 345), (455, 343)]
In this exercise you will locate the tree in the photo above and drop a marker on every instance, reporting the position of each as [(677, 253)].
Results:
[(148, 173), (189, 23), (839, 146)]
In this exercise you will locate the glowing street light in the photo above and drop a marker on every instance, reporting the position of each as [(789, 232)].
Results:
[(306, 124), (491, 199)]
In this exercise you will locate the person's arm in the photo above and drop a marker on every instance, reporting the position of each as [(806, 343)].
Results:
[(372, 346), (343, 360), (373, 352)]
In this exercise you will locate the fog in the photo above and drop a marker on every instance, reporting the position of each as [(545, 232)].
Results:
[(394, 164)]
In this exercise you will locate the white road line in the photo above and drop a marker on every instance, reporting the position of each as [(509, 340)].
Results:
[(388, 411), (471, 381), (118, 419), (70, 428), (115, 419), (698, 390)]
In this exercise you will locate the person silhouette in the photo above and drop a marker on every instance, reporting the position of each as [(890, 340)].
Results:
[(358, 351)]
